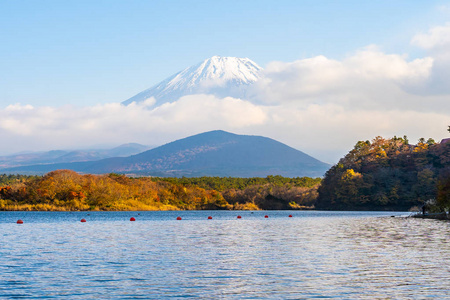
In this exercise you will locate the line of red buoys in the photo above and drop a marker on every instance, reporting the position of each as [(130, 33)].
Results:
[(134, 219)]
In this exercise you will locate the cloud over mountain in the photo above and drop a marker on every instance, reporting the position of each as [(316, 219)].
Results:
[(319, 105)]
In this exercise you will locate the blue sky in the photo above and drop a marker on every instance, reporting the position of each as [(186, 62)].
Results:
[(335, 71), (87, 52)]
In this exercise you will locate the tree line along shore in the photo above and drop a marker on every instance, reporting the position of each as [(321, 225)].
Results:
[(382, 174), (65, 190)]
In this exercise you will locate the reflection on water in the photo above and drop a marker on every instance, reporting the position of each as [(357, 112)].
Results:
[(312, 255)]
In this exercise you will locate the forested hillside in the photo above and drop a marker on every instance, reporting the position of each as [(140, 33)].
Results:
[(271, 192), (68, 190), (388, 174)]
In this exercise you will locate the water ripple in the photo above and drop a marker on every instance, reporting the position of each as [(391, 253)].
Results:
[(313, 255)]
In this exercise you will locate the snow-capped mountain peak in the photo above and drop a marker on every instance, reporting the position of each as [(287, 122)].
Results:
[(221, 76)]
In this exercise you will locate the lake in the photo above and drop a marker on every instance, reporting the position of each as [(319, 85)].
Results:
[(313, 254)]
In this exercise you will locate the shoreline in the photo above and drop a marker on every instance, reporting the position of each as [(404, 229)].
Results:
[(434, 216)]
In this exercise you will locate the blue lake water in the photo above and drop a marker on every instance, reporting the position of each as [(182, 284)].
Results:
[(314, 254)]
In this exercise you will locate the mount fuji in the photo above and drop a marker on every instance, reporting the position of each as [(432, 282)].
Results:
[(219, 76)]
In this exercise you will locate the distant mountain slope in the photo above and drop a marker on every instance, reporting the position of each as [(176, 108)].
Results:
[(220, 76), (64, 156), (215, 153)]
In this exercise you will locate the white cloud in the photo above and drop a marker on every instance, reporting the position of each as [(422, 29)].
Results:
[(437, 38), (38, 128), (437, 43), (325, 131), (367, 79)]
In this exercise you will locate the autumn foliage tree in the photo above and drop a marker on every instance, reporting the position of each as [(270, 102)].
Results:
[(271, 192), (68, 190), (385, 174)]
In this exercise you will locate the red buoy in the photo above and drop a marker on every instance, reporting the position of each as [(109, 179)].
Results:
[(19, 221), (178, 218), (266, 216), (290, 216), (239, 217), (132, 219), (83, 220), (209, 218)]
